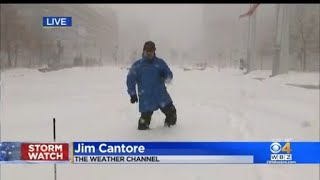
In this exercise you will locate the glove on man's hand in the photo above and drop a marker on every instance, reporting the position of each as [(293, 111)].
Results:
[(134, 99)]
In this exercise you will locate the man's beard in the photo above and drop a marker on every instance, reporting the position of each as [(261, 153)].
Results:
[(149, 57)]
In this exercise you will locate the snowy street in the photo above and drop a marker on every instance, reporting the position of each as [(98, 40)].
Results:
[(91, 104)]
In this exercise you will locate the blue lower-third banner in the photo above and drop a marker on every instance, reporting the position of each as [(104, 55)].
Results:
[(195, 153)]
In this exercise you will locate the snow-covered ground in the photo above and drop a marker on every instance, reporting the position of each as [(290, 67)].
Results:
[(91, 104)]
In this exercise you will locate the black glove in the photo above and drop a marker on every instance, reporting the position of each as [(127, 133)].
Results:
[(134, 99), (162, 76)]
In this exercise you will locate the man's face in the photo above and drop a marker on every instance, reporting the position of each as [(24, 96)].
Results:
[(149, 54)]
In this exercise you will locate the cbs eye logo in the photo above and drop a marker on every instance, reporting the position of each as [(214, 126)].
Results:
[(276, 148)]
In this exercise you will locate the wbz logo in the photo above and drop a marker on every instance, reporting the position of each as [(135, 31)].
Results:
[(281, 152)]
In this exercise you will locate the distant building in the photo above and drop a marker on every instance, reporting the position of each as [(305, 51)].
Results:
[(92, 35)]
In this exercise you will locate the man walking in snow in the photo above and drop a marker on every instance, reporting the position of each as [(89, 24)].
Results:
[(150, 74)]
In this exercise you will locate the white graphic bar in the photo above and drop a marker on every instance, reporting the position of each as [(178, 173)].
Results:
[(162, 159)]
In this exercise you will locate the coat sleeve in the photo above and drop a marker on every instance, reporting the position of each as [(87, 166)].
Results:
[(132, 80), (167, 71)]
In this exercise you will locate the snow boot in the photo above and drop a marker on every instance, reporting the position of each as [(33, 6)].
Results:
[(144, 121), (171, 115)]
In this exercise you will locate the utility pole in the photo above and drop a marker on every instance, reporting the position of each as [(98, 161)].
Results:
[(251, 49), (276, 60), (248, 66), (253, 42), (281, 61), (4, 24)]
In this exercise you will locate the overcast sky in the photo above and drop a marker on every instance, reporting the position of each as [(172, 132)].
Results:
[(169, 25), (180, 26)]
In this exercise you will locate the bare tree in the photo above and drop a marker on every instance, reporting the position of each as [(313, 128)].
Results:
[(302, 34), (305, 32), (8, 13)]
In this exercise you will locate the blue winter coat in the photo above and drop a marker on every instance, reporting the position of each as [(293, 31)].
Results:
[(152, 91)]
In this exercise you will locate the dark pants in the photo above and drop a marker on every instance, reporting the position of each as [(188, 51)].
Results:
[(169, 111)]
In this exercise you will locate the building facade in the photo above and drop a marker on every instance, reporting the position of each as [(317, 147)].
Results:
[(92, 36)]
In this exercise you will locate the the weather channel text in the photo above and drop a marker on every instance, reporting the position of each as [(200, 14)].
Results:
[(162, 159)]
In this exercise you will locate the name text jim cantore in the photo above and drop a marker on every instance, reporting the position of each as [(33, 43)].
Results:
[(104, 153)]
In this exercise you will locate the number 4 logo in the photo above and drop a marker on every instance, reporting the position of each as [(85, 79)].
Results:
[(286, 148)]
